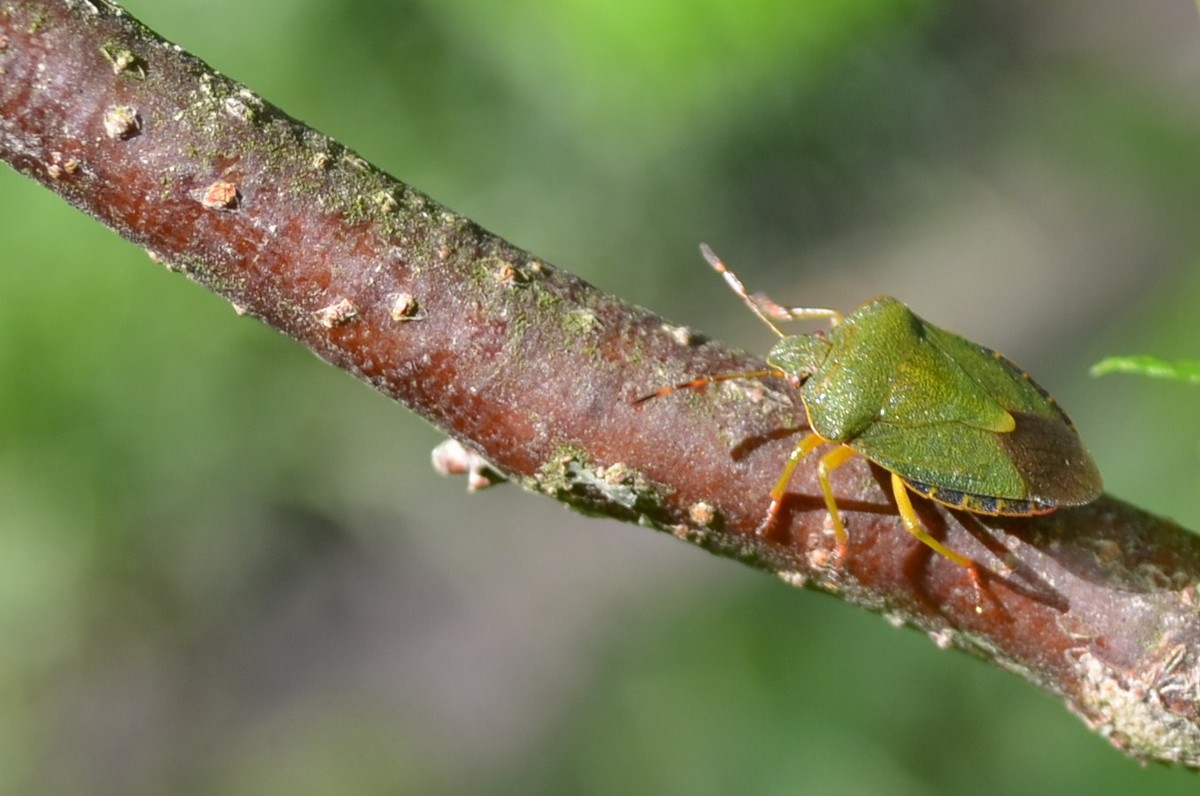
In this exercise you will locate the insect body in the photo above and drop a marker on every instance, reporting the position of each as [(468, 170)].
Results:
[(950, 419)]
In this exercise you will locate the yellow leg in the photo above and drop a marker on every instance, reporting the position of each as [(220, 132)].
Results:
[(802, 449), (913, 524), (827, 464)]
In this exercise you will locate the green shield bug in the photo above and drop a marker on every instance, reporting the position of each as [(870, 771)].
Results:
[(949, 419)]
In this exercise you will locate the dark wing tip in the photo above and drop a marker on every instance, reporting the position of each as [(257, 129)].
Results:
[(1057, 469)]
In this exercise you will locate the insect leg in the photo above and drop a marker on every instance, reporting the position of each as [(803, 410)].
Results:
[(804, 447), (913, 524), (826, 465)]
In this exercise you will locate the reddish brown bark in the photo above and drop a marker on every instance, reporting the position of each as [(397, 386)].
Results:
[(538, 371)]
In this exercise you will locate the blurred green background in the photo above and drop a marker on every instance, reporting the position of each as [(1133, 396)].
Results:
[(226, 568)]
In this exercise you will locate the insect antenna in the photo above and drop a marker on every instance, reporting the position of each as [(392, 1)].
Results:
[(763, 306), (704, 381), (736, 285)]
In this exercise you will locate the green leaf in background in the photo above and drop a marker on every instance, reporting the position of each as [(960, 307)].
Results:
[(1180, 370)]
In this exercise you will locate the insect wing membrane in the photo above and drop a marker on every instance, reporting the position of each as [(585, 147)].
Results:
[(1056, 467)]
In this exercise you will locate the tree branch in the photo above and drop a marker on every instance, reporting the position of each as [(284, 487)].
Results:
[(538, 371)]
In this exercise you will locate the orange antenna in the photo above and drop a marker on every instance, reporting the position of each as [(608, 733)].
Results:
[(763, 307), (736, 285), (703, 381)]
